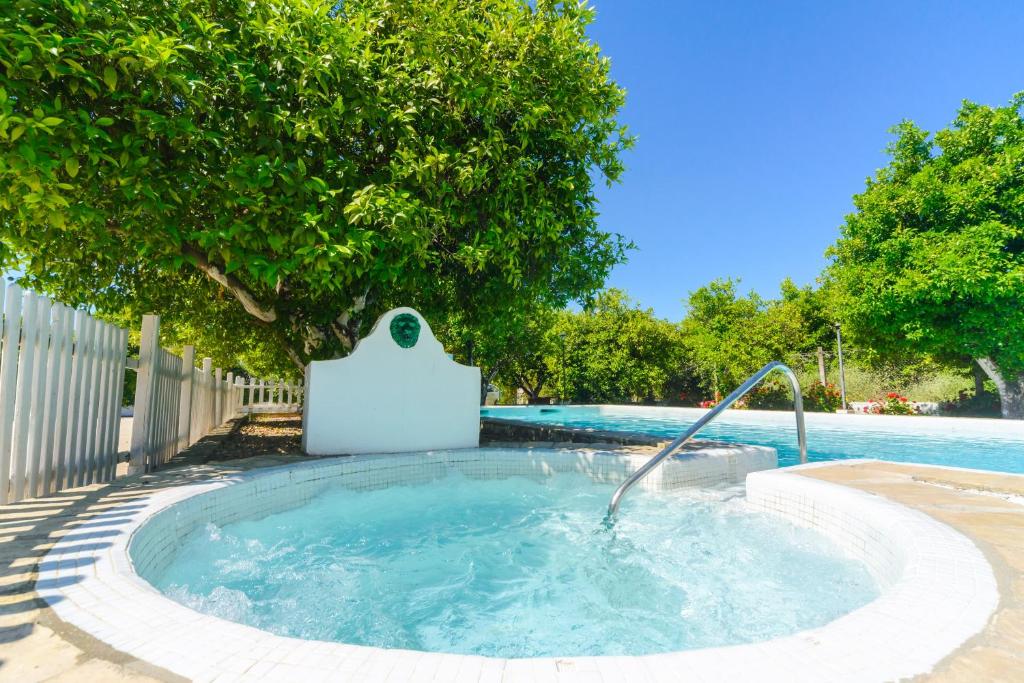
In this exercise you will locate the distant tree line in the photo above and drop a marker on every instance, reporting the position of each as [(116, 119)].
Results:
[(615, 351)]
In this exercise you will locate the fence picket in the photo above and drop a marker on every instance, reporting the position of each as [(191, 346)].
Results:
[(218, 399), (75, 398), (63, 420), (148, 346), (99, 462), (8, 384), (34, 451), (23, 405), (117, 369), (188, 359), (84, 351), (49, 420)]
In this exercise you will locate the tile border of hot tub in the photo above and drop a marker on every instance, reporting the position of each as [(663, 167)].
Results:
[(939, 591)]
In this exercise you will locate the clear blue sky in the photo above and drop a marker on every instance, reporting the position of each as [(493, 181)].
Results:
[(757, 121)]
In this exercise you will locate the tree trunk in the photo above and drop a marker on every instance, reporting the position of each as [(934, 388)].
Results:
[(532, 393), (979, 379), (485, 381), (1011, 390)]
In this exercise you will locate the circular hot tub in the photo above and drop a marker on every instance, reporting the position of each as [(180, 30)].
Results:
[(500, 555), (497, 560)]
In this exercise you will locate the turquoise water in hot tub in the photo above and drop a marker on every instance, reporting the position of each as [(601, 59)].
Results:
[(979, 444), (518, 567)]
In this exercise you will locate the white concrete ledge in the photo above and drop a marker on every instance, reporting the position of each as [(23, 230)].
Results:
[(938, 589)]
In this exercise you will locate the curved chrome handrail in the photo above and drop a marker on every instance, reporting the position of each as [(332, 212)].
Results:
[(798, 408)]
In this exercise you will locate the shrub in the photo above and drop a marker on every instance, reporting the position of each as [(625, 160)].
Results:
[(771, 395), (892, 404), (967, 404), (824, 398)]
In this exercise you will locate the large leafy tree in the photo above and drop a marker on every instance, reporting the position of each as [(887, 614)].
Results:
[(614, 351), (532, 356), (730, 336), (933, 257), (315, 162), (497, 340)]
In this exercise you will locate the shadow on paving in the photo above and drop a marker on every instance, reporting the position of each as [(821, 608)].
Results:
[(92, 516)]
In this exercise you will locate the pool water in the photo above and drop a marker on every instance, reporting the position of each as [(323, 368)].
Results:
[(996, 445), (518, 567)]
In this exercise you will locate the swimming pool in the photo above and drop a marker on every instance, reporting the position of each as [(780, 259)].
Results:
[(996, 445)]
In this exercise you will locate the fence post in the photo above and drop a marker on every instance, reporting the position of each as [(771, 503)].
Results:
[(229, 395), (188, 361), (218, 403), (149, 344), (821, 366), (207, 398)]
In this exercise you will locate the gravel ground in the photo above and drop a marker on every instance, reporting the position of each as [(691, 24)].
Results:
[(264, 435)]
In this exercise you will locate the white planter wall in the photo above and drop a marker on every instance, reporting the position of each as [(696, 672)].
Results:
[(387, 399)]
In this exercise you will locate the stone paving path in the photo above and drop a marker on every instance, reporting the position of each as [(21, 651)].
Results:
[(36, 646), (989, 509)]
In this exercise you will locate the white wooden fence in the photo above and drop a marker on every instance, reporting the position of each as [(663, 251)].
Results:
[(61, 381), (61, 385), (273, 396), (176, 404)]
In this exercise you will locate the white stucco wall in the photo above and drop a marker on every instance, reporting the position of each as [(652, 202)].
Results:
[(384, 398)]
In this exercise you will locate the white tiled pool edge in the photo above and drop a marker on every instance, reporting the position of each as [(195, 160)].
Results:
[(939, 591)]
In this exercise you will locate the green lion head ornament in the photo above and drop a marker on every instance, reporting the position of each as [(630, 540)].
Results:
[(405, 330)]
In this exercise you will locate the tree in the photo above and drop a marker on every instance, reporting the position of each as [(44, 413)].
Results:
[(614, 352), (500, 342), (316, 162), (932, 259), (729, 337), (526, 355)]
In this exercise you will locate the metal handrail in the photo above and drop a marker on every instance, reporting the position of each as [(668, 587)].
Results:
[(798, 408)]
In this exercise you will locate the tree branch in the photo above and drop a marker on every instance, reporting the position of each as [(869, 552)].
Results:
[(232, 284), (343, 335), (358, 304), (993, 372), (294, 357)]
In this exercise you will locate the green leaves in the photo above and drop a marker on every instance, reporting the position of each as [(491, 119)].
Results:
[(110, 77), (446, 162), (932, 258)]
